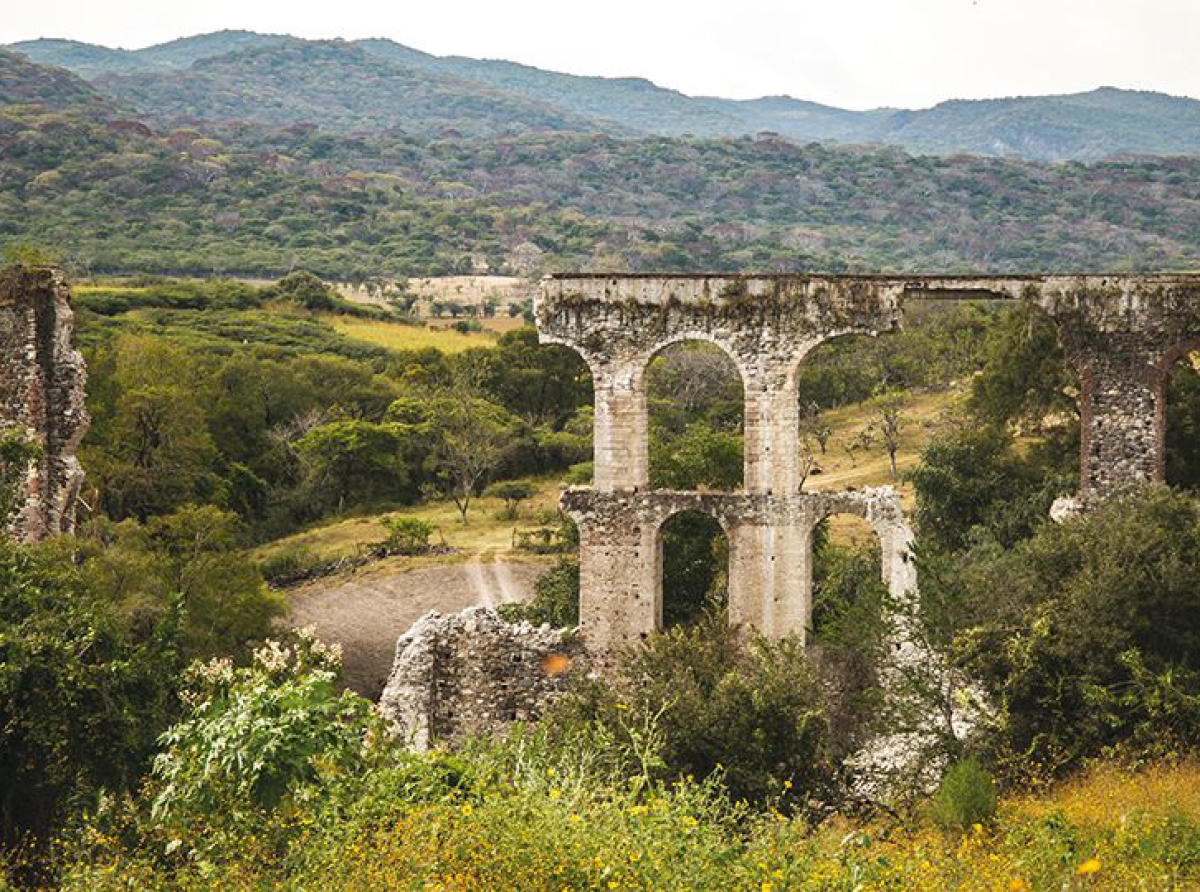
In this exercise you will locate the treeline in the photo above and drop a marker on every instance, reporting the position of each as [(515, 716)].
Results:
[(235, 199), (198, 396)]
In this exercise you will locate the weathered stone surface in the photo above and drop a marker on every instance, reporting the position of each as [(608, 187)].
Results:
[(770, 536), (42, 380), (472, 673), (1123, 332)]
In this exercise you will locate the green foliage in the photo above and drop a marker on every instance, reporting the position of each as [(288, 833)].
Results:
[(1063, 626), (555, 598), (187, 569), (513, 493), (698, 458), (749, 715), (974, 481), (17, 453), (695, 560), (1183, 427), (305, 290), (81, 698), (253, 736), (1025, 376), (849, 595), (354, 462), (967, 795), (406, 535)]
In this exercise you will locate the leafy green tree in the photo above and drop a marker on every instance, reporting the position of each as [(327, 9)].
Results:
[(699, 458), (1086, 634), (354, 461), (467, 438), (1183, 427), (973, 479), (1026, 377), (512, 493), (306, 290)]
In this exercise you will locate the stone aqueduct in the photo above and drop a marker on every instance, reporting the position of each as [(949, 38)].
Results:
[(1122, 332)]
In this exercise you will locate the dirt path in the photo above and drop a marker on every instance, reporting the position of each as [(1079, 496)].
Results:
[(367, 612)]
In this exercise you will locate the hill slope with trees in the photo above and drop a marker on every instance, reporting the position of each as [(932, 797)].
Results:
[(352, 87)]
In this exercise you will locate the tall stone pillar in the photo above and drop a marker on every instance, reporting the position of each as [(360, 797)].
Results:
[(42, 380), (621, 428), (1121, 417), (770, 577), (771, 439), (620, 575)]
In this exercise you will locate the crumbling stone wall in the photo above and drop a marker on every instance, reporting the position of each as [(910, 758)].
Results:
[(42, 380), (1123, 332), (473, 673), (770, 555)]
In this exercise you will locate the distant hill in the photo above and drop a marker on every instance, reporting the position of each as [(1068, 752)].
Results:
[(335, 85), (259, 77), (54, 89)]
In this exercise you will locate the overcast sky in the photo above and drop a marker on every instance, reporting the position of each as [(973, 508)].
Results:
[(852, 53)]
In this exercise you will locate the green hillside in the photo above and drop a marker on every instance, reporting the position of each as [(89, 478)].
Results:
[(366, 85), (331, 84)]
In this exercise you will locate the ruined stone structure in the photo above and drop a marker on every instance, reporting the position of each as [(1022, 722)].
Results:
[(42, 390), (472, 673), (1123, 332)]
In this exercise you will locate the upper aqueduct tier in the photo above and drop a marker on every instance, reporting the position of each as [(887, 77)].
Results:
[(1122, 332)]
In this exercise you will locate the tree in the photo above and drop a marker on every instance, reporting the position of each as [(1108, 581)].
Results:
[(512, 492), (888, 411), (355, 461), (975, 478), (306, 290), (465, 437)]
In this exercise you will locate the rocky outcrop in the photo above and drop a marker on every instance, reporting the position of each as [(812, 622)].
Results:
[(472, 673), (42, 380)]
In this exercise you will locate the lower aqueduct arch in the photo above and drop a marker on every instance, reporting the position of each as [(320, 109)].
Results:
[(1122, 332)]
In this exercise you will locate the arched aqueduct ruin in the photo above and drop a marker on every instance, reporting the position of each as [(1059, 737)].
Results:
[(1122, 332)]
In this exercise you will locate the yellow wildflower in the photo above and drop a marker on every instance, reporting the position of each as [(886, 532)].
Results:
[(1088, 867)]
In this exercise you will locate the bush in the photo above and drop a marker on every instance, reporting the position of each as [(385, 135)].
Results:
[(1065, 626), (555, 598), (512, 493), (406, 535), (966, 796), (253, 736), (750, 716), (290, 565)]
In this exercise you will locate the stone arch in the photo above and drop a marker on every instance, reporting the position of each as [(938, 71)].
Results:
[(698, 510), (880, 507), (642, 382), (1164, 374)]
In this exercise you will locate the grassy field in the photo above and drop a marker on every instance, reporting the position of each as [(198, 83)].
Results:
[(548, 828), (486, 532), (397, 336)]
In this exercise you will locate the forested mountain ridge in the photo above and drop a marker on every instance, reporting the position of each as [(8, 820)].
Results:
[(331, 83), (176, 81)]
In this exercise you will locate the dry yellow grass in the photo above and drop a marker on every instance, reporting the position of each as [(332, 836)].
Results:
[(397, 336), (485, 533)]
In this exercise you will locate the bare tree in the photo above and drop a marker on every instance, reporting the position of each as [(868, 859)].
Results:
[(888, 410)]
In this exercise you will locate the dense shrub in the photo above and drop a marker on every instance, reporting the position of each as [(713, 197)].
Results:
[(975, 481), (406, 535), (966, 796), (750, 716), (1086, 633), (254, 736), (555, 598)]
